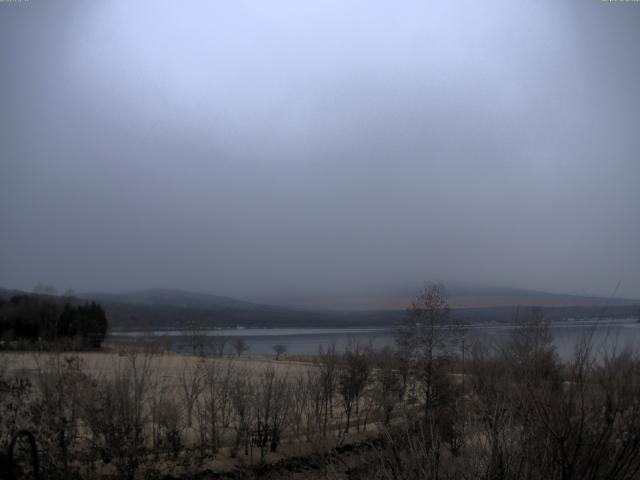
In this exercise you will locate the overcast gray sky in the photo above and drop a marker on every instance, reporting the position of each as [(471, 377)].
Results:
[(250, 147)]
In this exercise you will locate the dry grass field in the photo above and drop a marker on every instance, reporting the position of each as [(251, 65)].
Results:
[(169, 366)]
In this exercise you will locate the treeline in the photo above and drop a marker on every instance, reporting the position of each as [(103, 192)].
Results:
[(29, 319)]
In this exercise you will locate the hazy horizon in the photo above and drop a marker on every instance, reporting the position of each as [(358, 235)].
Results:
[(255, 149)]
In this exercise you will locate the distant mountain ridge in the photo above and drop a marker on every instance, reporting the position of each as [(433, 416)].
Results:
[(460, 296), (171, 297), (175, 309)]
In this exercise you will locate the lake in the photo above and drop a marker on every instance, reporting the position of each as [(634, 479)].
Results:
[(619, 333)]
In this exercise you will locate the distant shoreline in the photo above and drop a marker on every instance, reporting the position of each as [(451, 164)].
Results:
[(250, 330)]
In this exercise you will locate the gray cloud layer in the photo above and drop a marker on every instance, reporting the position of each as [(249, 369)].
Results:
[(246, 148)]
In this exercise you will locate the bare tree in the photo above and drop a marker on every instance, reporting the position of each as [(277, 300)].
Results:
[(388, 383), (328, 382), (280, 350), (218, 342), (57, 411), (197, 337), (215, 406), (239, 346), (427, 339), (271, 407), (116, 413), (191, 384), (300, 405), (166, 425), (530, 349), (353, 376), (242, 393), (315, 413)]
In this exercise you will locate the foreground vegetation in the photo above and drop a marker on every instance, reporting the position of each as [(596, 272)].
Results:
[(439, 406)]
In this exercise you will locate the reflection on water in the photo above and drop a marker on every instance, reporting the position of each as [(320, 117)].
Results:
[(613, 333)]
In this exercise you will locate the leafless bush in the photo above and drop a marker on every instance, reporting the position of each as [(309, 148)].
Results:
[(191, 380), (388, 383), (406, 455), (353, 375), (16, 392), (242, 392), (271, 407), (56, 411), (314, 405), (300, 406), (214, 408), (166, 427), (328, 361), (116, 413)]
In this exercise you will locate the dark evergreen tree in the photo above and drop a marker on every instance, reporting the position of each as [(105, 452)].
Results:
[(33, 318)]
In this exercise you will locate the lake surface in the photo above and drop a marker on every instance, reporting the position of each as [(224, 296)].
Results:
[(605, 333)]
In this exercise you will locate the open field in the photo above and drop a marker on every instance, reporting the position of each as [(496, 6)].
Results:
[(170, 366)]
